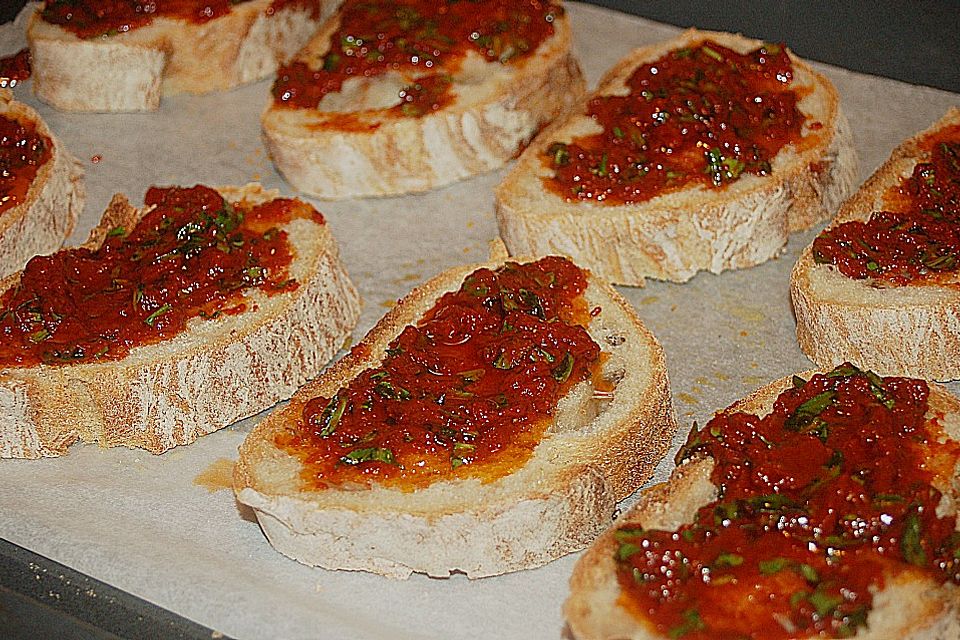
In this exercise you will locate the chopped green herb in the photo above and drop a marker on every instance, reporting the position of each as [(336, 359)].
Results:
[(728, 560), (152, 318), (910, 543), (116, 231), (775, 565), (712, 53), (563, 370), (370, 454), (330, 416), (691, 622)]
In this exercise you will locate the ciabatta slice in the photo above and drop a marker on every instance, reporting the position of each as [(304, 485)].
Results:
[(131, 70), (912, 329), (43, 220), (598, 449), (355, 144), (908, 606), (215, 372), (675, 235)]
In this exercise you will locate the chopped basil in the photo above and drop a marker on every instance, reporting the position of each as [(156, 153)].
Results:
[(560, 153), (331, 415), (824, 603), (809, 573), (532, 300), (152, 318), (774, 565), (370, 454), (388, 391), (563, 370), (39, 336), (805, 419), (461, 451), (712, 53), (691, 622), (728, 560), (911, 541), (116, 231), (626, 549), (503, 362)]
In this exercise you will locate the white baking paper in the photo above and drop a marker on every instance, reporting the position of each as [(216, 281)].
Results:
[(140, 522)]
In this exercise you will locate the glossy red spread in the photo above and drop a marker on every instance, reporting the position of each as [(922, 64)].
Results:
[(93, 18), (192, 255), (423, 39), (703, 115), (14, 68), (822, 499), (23, 150), (918, 238), (467, 391)]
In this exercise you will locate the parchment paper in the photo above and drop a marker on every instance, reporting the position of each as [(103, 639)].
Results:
[(141, 523)]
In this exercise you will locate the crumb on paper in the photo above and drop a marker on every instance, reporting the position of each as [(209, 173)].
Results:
[(95, 159)]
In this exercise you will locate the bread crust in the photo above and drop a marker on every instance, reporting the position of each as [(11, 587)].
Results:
[(556, 503), (46, 217), (211, 375), (672, 237), (495, 114), (131, 71), (909, 607), (911, 330)]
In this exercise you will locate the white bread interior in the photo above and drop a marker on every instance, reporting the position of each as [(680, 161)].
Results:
[(673, 236), (595, 453), (214, 373)]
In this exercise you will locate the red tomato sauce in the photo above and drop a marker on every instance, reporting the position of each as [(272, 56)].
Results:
[(918, 239), (23, 150), (193, 255), (94, 18), (14, 68), (703, 115), (820, 501), (428, 38), (466, 392)]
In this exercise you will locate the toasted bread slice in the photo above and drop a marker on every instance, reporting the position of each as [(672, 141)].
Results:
[(45, 217), (910, 605), (357, 142), (598, 448), (214, 372), (912, 329), (674, 235), (131, 70)]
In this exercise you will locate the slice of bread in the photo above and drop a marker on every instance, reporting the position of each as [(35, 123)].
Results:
[(131, 70), (674, 235), (42, 221), (356, 143), (909, 606), (913, 329), (206, 377), (598, 449)]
